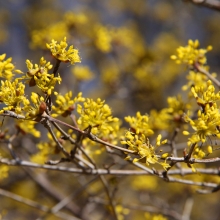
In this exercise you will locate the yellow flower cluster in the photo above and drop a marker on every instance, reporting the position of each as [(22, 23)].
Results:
[(141, 145), (160, 120), (139, 124), (121, 212), (170, 117), (45, 149), (6, 67), (35, 69), (176, 107), (60, 52), (55, 31), (208, 116), (12, 94), (191, 54), (103, 38), (65, 104), (39, 106), (149, 216), (108, 39), (47, 82), (97, 115), (38, 75), (196, 78), (3, 171), (27, 127), (71, 21), (82, 73)]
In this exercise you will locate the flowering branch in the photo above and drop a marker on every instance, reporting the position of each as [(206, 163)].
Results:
[(205, 72)]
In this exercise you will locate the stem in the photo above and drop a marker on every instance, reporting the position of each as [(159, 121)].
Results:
[(56, 67), (205, 72), (34, 204), (89, 135)]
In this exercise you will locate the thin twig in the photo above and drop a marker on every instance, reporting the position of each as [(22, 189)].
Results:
[(60, 205), (159, 210), (205, 72), (12, 115), (49, 128), (212, 4), (56, 67), (145, 170), (35, 204), (89, 135), (187, 209)]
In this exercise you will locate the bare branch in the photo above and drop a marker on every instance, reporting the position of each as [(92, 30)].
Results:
[(213, 4), (205, 72), (187, 209), (145, 170), (89, 135), (35, 204), (12, 115)]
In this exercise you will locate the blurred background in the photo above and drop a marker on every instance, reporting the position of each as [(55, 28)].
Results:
[(125, 48)]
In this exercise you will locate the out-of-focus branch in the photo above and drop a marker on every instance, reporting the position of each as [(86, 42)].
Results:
[(60, 205), (152, 209), (35, 204), (158, 210), (187, 209), (213, 4), (190, 182), (42, 180)]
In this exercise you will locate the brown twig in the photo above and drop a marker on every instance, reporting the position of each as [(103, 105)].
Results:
[(47, 125), (36, 205), (87, 134), (145, 170), (205, 72), (60, 205), (213, 4)]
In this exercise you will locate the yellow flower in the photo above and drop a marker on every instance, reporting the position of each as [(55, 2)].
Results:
[(3, 171), (160, 120), (46, 149), (52, 31), (139, 124), (12, 95), (37, 109), (191, 54), (60, 52), (82, 73), (98, 115), (141, 144), (27, 127), (121, 212), (197, 78), (38, 75), (206, 97), (46, 82), (208, 117), (6, 67), (176, 107), (65, 104), (206, 125), (35, 70), (103, 39)]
